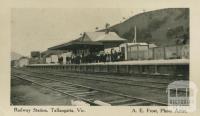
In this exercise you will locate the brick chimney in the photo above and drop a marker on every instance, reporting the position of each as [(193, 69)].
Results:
[(107, 28)]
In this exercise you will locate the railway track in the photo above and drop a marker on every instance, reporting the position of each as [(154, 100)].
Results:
[(85, 93), (126, 78), (130, 82)]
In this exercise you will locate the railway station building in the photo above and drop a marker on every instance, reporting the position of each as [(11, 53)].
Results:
[(89, 44), (92, 41)]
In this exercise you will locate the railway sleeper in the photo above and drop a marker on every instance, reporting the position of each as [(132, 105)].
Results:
[(66, 87), (111, 98), (84, 94), (75, 91), (87, 92), (121, 101), (134, 103)]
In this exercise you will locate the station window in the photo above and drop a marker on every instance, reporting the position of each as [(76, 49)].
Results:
[(181, 92), (172, 92)]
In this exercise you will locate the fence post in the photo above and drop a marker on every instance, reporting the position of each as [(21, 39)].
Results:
[(153, 53), (156, 69), (117, 68), (177, 55), (127, 68), (107, 68), (164, 53)]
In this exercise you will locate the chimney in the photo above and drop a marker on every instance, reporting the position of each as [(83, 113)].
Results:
[(107, 28), (82, 36)]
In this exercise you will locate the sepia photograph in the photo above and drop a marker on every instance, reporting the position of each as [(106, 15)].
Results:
[(100, 57)]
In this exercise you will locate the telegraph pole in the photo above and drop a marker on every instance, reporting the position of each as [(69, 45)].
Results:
[(135, 35)]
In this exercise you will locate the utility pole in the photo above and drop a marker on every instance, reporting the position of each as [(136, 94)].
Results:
[(135, 35)]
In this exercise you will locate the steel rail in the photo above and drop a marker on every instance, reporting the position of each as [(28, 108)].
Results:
[(68, 94), (106, 91), (86, 78), (118, 78)]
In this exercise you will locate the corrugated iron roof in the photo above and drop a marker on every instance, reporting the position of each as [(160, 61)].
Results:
[(91, 38), (102, 36), (70, 45)]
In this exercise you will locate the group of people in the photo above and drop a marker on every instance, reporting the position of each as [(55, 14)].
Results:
[(113, 57), (93, 58)]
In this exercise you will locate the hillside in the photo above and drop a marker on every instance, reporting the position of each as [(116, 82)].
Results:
[(160, 26)]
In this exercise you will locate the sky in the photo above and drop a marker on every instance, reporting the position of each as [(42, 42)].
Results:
[(37, 29)]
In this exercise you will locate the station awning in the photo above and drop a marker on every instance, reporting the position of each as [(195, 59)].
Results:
[(77, 45)]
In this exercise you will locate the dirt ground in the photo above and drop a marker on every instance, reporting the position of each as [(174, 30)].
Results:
[(25, 93)]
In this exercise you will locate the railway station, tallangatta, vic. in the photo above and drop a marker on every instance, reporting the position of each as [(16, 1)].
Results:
[(68, 57)]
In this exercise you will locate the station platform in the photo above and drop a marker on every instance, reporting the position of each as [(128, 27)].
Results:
[(172, 67), (138, 62)]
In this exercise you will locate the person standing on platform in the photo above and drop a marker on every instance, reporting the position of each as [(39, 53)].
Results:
[(115, 56), (61, 60)]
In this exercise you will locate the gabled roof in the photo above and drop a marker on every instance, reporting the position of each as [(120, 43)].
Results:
[(52, 52), (179, 84), (101, 36), (90, 39)]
